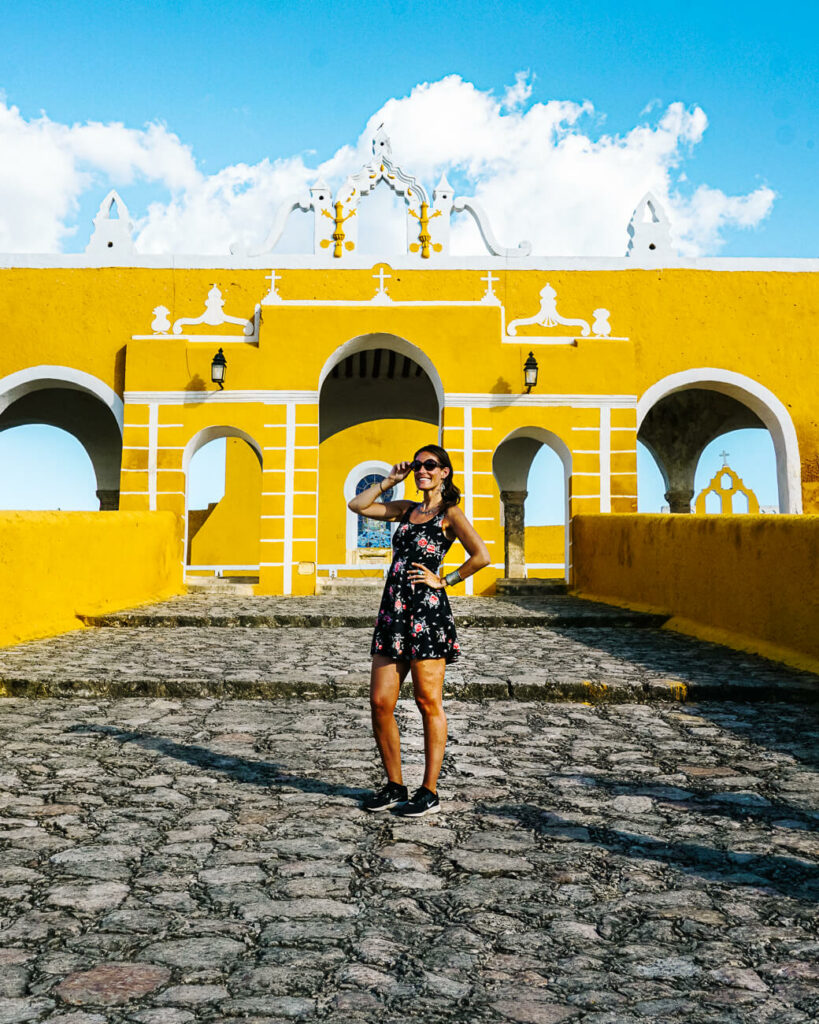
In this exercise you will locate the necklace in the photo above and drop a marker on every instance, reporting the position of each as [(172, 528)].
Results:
[(430, 512)]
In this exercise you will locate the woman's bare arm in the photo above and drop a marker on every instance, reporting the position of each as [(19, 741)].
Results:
[(471, 540), (367, 503)]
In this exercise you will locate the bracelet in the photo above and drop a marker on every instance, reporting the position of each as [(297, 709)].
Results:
[(452, 578)]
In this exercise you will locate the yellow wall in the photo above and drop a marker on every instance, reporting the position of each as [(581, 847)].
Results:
[(545, 544), (747, 581), (755, 322), (55, 566), (230, 534)]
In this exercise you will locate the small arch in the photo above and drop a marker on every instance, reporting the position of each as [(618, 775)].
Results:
[(511, 468), (213, 433), (761, 401), (198, 441)]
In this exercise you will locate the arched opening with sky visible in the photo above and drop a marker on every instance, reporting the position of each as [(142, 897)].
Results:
[(223, 487), (379, 401), (38, 408), (685, 420), (534, 462)]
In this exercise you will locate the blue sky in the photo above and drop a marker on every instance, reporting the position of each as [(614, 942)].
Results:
[(233, 86)]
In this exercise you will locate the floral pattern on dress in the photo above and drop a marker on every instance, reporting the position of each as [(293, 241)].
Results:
[(415, 622)]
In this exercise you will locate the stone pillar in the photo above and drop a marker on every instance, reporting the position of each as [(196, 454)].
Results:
[(109, 500), (680, 500), (514, 543)]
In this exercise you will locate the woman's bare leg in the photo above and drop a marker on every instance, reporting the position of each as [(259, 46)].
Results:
[(428, 688), (386, 677)]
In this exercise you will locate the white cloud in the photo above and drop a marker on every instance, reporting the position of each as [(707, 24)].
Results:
[(543, 171)]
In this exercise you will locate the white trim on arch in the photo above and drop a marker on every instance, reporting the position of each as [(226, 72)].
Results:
[(36, 378), (353, 477), (367, 342), (758, 399), (199, 440)]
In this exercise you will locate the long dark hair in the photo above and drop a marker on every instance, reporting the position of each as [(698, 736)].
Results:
[(450, 494)]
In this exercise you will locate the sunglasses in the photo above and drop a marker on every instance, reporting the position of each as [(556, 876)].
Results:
[(427, 464)]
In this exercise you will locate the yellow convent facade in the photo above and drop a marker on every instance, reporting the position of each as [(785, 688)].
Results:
[(339, 364)]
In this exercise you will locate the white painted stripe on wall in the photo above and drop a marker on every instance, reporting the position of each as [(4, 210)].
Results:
[(153, 439), (605, 458), (289, 481), (468, 472)]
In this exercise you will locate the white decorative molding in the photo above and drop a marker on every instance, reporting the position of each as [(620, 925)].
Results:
[(489, 400), (649, 232), (112, 237), (335, 222), (213, 316), (548, 316), (492, 244), (226, 397)]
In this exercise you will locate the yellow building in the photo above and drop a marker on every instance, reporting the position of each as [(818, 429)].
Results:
[(339, 364)]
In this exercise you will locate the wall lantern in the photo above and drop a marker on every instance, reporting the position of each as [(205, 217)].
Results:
[(529, 373), (219, 364)]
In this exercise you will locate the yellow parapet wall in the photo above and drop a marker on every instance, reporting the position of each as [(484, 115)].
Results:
[(57, 566), (746, 581)]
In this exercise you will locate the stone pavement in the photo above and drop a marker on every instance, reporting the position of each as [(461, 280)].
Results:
[(522, 648), (165, 862)]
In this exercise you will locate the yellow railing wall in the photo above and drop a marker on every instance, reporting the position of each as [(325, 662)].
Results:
[(746, 581), (57, 566)]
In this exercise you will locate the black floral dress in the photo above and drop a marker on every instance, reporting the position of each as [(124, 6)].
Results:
[(415, 622)]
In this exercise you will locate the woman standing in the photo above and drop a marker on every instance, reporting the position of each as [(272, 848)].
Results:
[(415, 631)]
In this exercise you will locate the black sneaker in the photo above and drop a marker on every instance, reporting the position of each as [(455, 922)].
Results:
[(386, 797), (424, 801)]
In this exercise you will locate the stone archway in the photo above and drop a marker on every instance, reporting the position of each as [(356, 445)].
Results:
[(511, 464), (225, 534), (74, 401), (681, 414), (380, 399)]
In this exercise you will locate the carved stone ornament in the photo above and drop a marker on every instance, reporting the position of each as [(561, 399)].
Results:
[(112, 237), (548, 316), (335, 230), (213, 316), (649, 231)]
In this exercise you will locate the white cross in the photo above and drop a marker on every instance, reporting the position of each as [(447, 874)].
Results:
[(273, 277), (381, 278), (724, 456), (490, 280)]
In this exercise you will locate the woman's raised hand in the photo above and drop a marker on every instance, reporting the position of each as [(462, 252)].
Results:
[(400, 471)]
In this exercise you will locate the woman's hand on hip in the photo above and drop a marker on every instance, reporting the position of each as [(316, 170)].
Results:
[(421, 574)]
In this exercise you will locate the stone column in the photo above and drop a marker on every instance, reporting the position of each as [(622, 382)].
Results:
[(679, 500), (109, 500), (514, 545)]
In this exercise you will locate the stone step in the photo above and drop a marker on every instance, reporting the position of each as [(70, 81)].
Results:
[(234, 586), (509, 587), (358, 610), (339, 587), (536, 686)]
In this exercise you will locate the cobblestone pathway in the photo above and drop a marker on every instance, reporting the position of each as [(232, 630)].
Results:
[(165, 861), (173, 861)]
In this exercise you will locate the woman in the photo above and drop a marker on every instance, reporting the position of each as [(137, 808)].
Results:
[(415, 631)]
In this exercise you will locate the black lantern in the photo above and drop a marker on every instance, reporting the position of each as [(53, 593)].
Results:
[(530, 373), (219, 364)]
